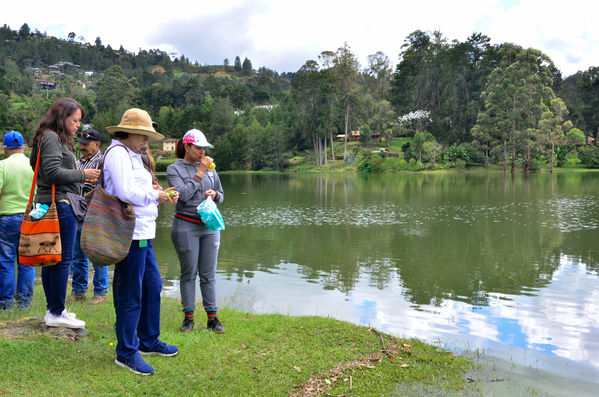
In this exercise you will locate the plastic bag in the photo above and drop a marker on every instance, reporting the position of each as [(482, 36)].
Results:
[(211, 215)]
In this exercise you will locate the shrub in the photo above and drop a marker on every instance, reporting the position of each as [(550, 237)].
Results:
[(374, 163), (163, 163), (589, 156)]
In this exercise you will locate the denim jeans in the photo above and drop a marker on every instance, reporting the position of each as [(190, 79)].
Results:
[(10, 230), (80, 271), (56, 277), (136, 288)]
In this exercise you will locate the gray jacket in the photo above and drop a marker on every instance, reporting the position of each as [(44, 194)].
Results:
[(191, 192), (57, 167)]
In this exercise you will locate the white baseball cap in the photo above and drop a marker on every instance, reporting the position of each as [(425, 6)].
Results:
[(197, 138)]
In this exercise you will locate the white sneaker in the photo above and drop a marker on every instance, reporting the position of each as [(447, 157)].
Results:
[(65, 312), (64, 320)]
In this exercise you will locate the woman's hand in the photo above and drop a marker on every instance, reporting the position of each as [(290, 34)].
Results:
[(170, 195), (204, 164), (91, 175), (210, 193), (156, 185)]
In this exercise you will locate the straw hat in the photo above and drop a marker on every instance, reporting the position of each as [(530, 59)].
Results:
[(137, 121)]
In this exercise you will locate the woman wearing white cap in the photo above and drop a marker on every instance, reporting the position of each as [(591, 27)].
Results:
[(137, 283), (196, 245)]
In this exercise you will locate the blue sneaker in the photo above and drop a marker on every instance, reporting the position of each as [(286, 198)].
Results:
[(162, 349), (136, 365)]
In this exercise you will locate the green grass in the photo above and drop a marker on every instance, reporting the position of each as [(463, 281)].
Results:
[(260, 355)]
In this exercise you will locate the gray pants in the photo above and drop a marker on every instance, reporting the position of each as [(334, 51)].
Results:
[(197, 249)]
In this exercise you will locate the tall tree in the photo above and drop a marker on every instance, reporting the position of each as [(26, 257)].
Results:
[(346, 68), (518, 92), (246, 67), (551, 126), (379, 74)]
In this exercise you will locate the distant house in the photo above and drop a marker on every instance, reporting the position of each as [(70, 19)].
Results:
[(590, 140), (47, 85), (168, 145), (78, 84), (353, 136), (89, 73)]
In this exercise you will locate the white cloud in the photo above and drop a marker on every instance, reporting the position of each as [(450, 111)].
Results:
[(283, 34)]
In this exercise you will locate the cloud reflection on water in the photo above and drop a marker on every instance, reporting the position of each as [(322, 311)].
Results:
[(560, 320)]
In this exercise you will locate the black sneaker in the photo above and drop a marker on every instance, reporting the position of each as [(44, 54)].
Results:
[(187, 325), (215, 326)]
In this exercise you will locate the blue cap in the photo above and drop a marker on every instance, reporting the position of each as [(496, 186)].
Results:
[(13, 139)]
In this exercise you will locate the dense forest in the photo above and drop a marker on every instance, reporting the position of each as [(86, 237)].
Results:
[(448, 103)]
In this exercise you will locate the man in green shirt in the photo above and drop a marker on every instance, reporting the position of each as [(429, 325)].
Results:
[(16, 177)]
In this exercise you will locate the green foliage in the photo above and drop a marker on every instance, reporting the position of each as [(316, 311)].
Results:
[(589, 156), (460, 152), (575, 137), (572, 160), (487, 103), (372, 164)]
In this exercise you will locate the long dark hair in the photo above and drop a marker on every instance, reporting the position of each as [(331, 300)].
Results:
[(180, 148), (55, 119)]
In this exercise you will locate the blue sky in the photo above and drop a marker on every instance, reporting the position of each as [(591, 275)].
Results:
[(282, 34)]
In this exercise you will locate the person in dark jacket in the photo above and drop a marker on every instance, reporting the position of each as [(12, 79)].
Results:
[(196, 245), (54, 139)]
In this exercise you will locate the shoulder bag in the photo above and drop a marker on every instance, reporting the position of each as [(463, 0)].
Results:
[(39, 243), (108, 227)]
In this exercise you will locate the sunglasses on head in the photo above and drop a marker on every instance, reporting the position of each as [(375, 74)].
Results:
[(85, 135)]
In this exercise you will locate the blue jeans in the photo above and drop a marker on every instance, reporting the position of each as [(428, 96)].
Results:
[(80, 271), (56, 277), (136, 288), (10, 230)]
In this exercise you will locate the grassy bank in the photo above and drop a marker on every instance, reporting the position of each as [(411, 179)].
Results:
[(260, 355)]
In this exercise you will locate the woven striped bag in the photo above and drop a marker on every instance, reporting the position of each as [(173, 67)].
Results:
[(107, 229)]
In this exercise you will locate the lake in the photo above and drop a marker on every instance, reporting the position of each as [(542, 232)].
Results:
[(506, 266)]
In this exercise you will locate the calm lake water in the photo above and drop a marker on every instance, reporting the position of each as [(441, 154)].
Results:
[(504, 265)]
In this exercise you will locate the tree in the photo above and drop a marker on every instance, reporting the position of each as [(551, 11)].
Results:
[(431, 149), (418, 143), (247, 67), (346, 68), (24, 31), (311, 107), (575, 137), (226, 62), (98, 42), (517, 93), (237, 64), (551, 126), (71, 36), (114, 92), (382, 120), (379, 74)]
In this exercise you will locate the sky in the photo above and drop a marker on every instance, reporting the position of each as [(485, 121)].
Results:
[(282, 35)]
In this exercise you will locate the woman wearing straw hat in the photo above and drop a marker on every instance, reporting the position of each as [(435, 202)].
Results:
[(196, 245), (136, 283)]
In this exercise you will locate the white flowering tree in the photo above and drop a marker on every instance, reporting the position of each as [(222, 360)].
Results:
[(418, 118)]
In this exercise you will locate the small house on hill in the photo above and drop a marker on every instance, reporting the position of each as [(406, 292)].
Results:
[(47, 84)]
